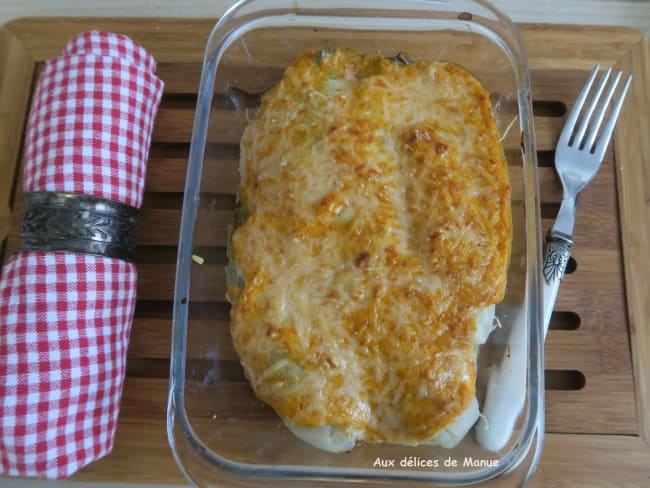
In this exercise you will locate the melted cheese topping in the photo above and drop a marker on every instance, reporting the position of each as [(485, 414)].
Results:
[(379, 230)]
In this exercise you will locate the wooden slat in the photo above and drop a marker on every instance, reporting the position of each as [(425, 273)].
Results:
[(169, 40), (576, 349), (598, 306), (591, 230), (614, 460), (156, 282), (597, 268), (633, 177), (180, 78), (576, 47), (565, 350), (560, 58), (595, 302), (208, 339), (222, 176), (16, 73), (580, 461), (558, 83), (549, 84), (168, 175), (161, 226), (609, 399), (174, 125), (561, 464), (183, 78)]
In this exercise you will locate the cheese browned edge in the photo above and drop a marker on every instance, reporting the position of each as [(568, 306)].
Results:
[(379, 231)]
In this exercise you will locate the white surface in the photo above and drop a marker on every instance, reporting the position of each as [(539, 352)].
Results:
[(24, 483), (632, 13)]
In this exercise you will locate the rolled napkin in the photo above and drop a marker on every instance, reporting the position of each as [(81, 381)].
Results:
[(65, 318)]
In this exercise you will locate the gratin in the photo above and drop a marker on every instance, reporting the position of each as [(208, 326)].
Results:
[(375, 247)]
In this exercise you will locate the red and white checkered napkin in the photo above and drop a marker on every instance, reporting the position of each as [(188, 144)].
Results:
[(65, 318)]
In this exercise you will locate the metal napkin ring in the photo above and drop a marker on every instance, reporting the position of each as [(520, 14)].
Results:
[(69, 222)]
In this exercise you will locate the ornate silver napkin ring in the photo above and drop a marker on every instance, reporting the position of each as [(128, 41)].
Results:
[(69, 222)]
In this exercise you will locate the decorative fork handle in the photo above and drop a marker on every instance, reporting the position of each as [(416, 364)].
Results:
[(558, 252)]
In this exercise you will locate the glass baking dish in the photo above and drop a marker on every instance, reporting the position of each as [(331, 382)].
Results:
[(220, 433)]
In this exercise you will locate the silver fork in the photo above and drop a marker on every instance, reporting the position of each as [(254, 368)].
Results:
[(579, 152)]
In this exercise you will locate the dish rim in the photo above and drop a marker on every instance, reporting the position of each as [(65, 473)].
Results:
[(226, 31)]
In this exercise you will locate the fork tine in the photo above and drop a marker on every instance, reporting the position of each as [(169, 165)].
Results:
[(577, 140), (570, 123), (603, 141), (601, 113)]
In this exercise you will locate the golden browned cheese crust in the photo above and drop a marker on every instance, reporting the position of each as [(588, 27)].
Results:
[(379, 227)]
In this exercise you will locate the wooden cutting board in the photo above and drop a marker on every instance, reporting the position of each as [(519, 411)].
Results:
[(598, 348)]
